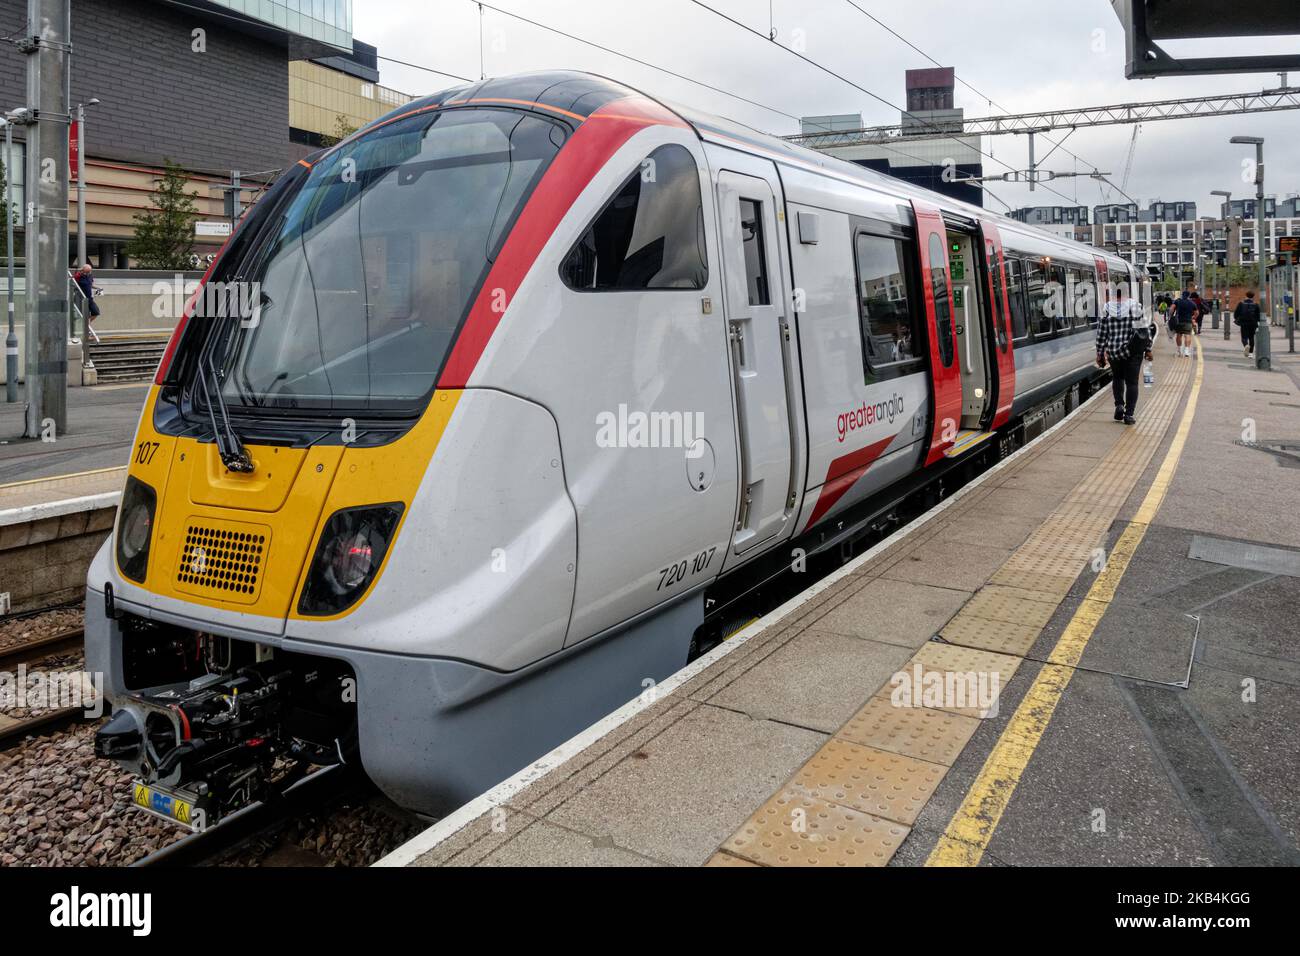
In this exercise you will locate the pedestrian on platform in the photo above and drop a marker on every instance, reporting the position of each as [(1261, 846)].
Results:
[(1246, 315), (1202, 308), (1182, 318), (85, 279), (1124, 339)]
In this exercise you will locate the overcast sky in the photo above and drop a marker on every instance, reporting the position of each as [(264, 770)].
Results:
[(1024, 55)]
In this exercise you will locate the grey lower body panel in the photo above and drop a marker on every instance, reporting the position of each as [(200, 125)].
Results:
[(435, 733)]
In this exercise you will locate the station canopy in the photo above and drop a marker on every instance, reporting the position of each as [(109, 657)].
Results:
[(1147, 22)]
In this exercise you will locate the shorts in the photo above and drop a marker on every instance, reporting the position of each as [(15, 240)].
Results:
[(1181, 328)]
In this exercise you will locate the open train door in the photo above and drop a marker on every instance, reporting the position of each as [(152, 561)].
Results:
[(1000, 317), (945, 377)]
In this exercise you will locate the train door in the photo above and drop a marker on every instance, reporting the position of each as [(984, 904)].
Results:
[(1000, 315), (969, 329), (945, 376), (758, 330)]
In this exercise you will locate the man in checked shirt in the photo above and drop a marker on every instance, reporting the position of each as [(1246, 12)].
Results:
[(1124, 338)]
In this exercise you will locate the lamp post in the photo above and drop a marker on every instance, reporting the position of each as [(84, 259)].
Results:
[(1263, 353), (1227, 235), (81, 178)]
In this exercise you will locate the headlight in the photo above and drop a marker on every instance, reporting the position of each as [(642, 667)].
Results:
[(351, 549), (135, 528)]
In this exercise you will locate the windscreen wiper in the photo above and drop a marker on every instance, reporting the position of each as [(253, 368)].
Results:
[(229, 445)]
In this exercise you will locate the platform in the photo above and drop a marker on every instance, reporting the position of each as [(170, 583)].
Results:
[(101, 426), (1132, 590)]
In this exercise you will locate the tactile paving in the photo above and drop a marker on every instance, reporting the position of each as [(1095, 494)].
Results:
[(975, 692), (794, 829), (921, 732), (877, 782), (985, 634), (1011, 604)]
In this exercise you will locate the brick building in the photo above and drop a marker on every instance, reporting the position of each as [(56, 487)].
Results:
[(202, 83)]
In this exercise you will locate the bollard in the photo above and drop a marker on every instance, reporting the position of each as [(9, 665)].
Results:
[(1227, 327)]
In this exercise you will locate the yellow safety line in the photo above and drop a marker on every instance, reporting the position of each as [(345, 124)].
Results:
[(971, 828), (74, 474)]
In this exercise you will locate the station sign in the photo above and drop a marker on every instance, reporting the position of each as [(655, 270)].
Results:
[(215, 229)]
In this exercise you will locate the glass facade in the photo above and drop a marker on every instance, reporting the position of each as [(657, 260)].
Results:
[(329, 21)]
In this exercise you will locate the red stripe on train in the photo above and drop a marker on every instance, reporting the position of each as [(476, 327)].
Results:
[(595, 141), (848, 470)]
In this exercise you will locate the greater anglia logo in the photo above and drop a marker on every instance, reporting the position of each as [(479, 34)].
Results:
[(867, 415)]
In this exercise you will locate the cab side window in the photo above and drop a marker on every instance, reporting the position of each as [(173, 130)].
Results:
[(649, 236)]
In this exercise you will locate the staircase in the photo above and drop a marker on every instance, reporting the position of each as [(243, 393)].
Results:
[(126, 357)]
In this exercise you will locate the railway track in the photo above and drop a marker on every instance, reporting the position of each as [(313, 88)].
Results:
[(41, 647), (13, 730)]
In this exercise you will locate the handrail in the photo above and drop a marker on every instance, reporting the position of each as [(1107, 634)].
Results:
[(965, 311)]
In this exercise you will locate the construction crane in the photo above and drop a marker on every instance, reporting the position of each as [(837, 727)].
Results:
[(1128, 163)]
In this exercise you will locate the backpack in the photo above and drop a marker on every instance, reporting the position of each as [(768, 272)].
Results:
[(1248, 311)]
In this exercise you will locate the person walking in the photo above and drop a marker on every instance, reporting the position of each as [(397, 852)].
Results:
[(1124, 339), (1182, 316), (1202, 308), (1246, 315), (85, 279)]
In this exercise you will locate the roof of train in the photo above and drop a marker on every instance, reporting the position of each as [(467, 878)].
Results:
[(577, 95)]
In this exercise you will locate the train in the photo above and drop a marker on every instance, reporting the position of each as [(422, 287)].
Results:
[(517, 387)]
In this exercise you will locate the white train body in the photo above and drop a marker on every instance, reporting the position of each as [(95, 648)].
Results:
[(684, 359)]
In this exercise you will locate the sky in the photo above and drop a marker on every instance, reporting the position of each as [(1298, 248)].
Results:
[(1020, 55)]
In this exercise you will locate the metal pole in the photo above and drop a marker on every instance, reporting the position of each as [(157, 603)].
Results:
[(1263, 352), (1295, 302), (11, 340), (81, 184), (47, 47), (1032, 175)]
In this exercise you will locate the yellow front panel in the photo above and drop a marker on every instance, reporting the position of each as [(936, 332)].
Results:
[(245, 542)]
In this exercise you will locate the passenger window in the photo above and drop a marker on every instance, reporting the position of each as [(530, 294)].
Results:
[(942, 307), (889, 339), (1085, 298), (995, 264), (650, 235), (1060, 303), (1037, 296), (751, 234), (1016, 293)]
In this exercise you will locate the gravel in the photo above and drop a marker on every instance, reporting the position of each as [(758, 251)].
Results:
[(62, 806), (72, 662), (21, 630)]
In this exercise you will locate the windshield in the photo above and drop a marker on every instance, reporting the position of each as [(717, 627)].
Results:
[(372, 265)]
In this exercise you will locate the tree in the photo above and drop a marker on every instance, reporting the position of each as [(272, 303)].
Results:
[(164, 236), (343, 128)]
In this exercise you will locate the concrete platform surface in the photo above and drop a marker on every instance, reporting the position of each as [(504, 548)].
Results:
[(101, 425), (1143, 698)]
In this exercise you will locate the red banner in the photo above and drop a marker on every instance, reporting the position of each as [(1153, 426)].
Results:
[(74, 148)]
